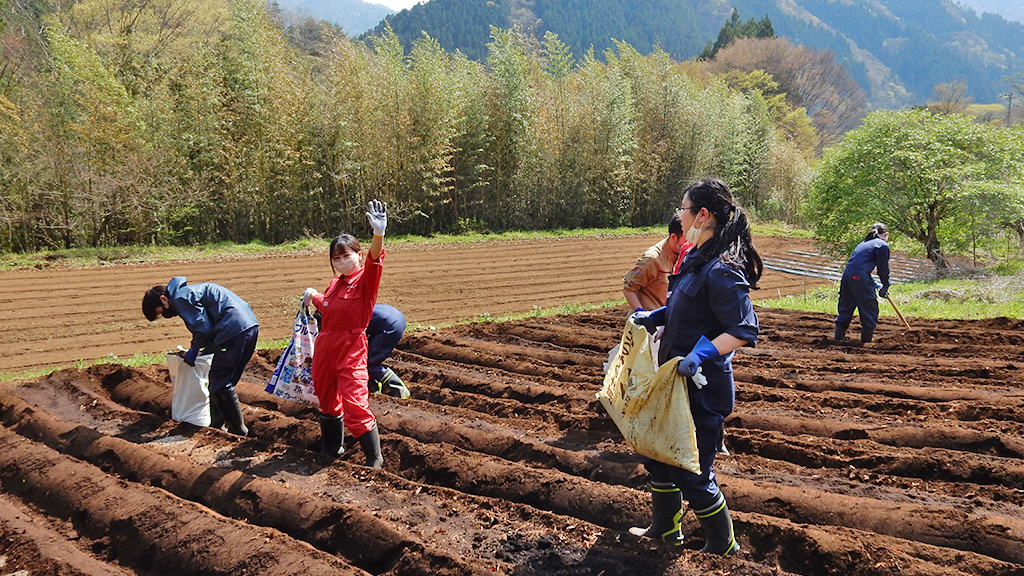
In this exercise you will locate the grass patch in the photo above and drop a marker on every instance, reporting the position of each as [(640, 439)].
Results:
[(969, 299), (536, 312), (776, 228), (81, 364)]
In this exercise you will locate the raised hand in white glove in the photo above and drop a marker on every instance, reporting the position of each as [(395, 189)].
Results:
[(307, 296), (377, 216)]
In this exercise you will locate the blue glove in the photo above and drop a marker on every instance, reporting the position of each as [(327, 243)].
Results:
[(639, 309), (703, 350), (190, 356), (643, 318), (883, 292)]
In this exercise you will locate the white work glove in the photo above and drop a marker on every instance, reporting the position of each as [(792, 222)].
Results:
[(377, 216), (307, 296), (699, 380)]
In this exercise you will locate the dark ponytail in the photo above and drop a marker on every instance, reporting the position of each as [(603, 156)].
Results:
[(732, 241), (877, 229)]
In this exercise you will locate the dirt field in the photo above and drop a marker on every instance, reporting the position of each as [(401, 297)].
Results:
[(899, 458)]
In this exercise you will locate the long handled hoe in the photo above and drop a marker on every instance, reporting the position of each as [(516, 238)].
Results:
[(905, 323)]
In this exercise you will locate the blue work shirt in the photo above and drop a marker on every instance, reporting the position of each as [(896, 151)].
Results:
[(867, 256), (708, 301), (212, 313)]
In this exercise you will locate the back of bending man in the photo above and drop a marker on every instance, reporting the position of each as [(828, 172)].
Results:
[(221, 323)]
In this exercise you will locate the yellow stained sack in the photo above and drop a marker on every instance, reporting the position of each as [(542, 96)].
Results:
[(648, 404)]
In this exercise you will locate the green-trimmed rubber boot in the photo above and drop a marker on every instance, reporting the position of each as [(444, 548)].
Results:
[(717, 524), (392, 385), (666, 514)]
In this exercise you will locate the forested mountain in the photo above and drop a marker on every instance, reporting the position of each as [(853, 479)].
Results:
[(353, 16), (898, 50), (1009, 9)]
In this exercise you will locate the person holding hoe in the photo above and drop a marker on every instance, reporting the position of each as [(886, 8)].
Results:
[(857, 288), (708, 316), (339, 359)]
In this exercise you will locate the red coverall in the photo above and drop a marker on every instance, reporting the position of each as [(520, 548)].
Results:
[(339, 359)]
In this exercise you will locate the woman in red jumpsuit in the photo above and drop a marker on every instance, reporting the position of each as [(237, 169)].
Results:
[(339, 359)]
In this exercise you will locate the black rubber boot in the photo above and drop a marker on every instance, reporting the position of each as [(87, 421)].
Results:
[(332, 432), (216, 418), (370, 442), (393, 385), (866, 334), (721, 449), (231, 409), (717, 524), (841, 331), (666, 514)]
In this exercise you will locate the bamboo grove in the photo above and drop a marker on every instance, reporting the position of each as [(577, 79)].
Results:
[(191, 121)]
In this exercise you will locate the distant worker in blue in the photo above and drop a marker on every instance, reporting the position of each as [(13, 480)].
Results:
[(221, 323), (382, 334), (857, 288)]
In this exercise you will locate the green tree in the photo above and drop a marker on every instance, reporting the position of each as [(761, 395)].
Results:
[(734, 29), (926, 176)]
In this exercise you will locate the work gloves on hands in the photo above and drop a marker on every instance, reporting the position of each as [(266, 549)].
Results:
[(377, 216), (307, 296), (883, 292), (190, 356), (703, 350), (644, 318)]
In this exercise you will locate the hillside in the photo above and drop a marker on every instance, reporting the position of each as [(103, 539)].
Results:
[(1009, 9), (898, 50), (353, 16)]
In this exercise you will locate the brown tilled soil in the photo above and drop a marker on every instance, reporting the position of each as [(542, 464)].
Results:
[(903, 457)]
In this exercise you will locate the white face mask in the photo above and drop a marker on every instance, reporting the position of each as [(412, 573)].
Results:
[(346, 265), (693, 234)]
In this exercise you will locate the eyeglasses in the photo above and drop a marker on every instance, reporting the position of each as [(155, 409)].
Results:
[(681, 210)]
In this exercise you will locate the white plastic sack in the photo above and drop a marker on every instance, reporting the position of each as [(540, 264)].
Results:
[(650, 405), (190, 400), (293, 376)]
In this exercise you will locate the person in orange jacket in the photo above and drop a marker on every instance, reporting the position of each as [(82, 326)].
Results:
[(645, 286), (339, 359)]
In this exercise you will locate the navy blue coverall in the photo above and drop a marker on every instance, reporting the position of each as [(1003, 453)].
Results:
[(857, 288), (708, 301), (382, 335)]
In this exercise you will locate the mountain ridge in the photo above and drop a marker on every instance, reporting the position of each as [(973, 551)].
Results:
[(898, 50)]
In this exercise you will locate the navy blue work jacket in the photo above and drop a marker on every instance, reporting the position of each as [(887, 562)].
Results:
[(709, 301), (212, 313), (867, 256)]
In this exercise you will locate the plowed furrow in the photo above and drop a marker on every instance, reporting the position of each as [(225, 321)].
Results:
[(871, 457), (147, 528)]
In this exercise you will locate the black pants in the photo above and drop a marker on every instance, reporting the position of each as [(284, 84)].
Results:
[(230, 358)]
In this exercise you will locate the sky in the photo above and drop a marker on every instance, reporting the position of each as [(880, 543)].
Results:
[(396, 5)]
